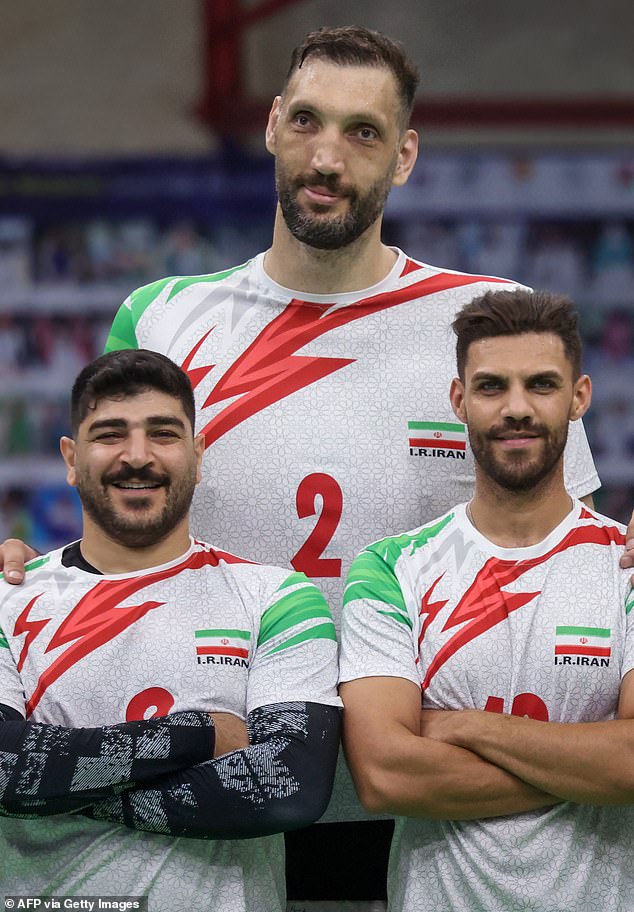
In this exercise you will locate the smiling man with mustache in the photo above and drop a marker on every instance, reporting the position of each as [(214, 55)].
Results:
[(155, 684)]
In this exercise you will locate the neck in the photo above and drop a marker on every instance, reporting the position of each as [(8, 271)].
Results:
[(513, 519), (108, 555), (296, 265)]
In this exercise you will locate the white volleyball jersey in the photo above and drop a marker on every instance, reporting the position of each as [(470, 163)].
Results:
[(208, 632), (326, 417), (545, 631)]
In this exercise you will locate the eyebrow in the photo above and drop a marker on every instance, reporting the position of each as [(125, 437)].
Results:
[(551, 374), (151, 421)]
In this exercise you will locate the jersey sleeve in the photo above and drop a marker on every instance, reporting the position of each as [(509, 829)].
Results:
[(377, 635), (296, 650), (282, 781), (580, 474), (123, 330)]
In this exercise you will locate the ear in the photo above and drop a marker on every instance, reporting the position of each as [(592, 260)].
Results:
[(271, 125), (456, 397), (407, 155), (199, 450), (581, 397), (68, 449)]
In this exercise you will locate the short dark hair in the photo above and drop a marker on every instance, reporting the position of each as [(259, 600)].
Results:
[(513, 313), (353, 45), (128, 372)]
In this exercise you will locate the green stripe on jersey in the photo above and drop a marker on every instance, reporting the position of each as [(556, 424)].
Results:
[(372, 578), (293, 608), (4, 643), (123, 330), (318, 632), (629, 601), (392, 548), (186, 281), (293, 579)]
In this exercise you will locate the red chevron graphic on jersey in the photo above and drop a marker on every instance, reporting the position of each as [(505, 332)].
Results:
[(270, 369), (196, 374), (430, 608), (31, 628), (485, 604), (98, 617)]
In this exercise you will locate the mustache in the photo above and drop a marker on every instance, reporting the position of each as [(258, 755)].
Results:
[(523, 426), (142, 474)]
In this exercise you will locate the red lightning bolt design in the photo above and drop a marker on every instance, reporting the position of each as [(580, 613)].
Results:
[(430, 608), (31, 628), (196, 374), (270, 369), (484, 604), (98, 617)]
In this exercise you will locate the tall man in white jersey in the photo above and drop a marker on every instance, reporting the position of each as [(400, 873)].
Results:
[(321, 366), (512, 617), (182, 697)]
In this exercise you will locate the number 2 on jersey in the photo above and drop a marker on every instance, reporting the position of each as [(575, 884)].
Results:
[(309, 557)]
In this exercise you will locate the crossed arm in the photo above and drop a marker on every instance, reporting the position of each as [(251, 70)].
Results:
[(585, 762), (157, 775), (398, 771), (466, 764)]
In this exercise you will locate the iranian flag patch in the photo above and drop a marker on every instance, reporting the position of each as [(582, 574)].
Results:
[(449, 435), (583, 641), (223, 642)]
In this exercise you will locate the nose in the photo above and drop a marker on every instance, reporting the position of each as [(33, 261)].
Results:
[(137, 451), (328, 152), (517, 405)]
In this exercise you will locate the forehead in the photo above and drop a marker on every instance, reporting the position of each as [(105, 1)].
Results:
[(136, 409), (323, 84), (521, 355)]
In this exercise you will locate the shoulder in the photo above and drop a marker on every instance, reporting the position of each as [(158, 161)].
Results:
[(600, 529), (249, 573), (386, 569), (38, 572), (440, 279), (165, 289), (395, 547)]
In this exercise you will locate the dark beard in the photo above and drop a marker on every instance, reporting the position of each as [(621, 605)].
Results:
[(131, 532), (337, 231), (514, 475)]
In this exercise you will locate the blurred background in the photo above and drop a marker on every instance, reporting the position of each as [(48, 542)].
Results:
[(131, 148)]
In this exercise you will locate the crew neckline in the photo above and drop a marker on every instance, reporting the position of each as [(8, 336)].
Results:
[(513, 554), (339, 297)]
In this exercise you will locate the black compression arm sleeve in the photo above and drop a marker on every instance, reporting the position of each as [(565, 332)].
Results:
[(48, 769), (282, 781)]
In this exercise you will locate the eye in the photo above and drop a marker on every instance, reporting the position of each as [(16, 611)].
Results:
[(302, 119), (108, 436), (165, 434), (544, 384), (367, 133), (489, 386)]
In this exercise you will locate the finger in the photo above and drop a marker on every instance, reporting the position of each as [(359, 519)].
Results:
[(13, 571)]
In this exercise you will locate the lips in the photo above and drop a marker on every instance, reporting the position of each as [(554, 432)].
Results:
[(322, 196), (137, 486)]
